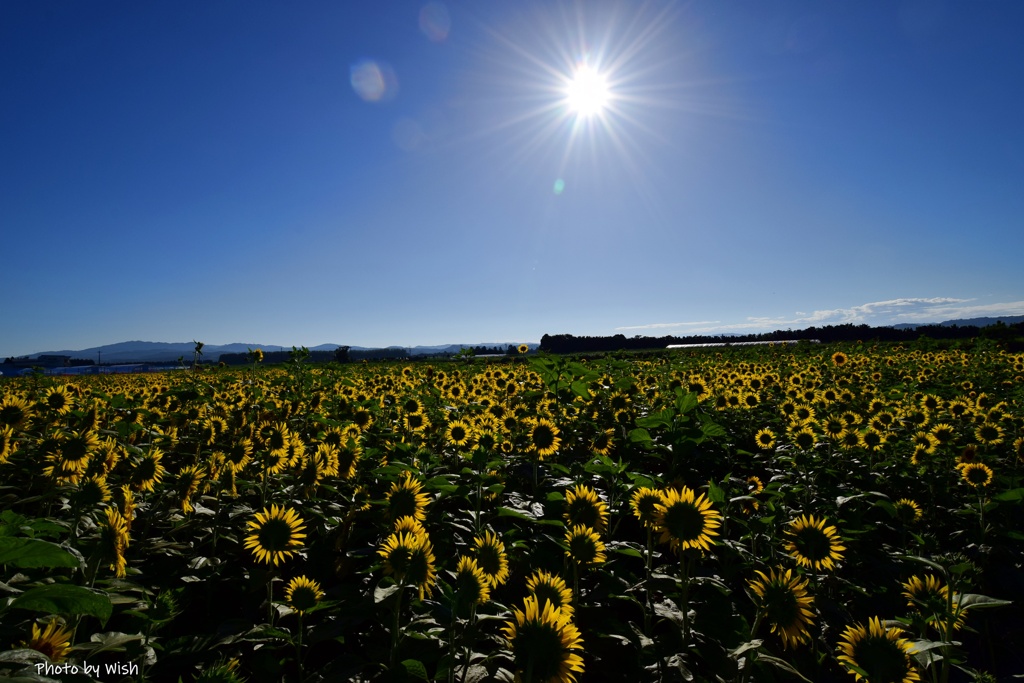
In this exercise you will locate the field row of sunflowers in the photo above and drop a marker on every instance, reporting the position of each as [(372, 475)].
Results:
[(759, 514)]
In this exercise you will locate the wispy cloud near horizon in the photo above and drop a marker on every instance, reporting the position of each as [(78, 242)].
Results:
[(889, 312)]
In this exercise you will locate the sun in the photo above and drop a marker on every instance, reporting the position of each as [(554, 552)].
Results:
[(586, 93)]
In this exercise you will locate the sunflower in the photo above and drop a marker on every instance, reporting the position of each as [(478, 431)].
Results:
[(408, 525), (74, 451), (929, 598), (277, 534), (113, 541), (765, 439), (54, 641), (874, 653), (803, 437), (149, 470), (755, 485), (491, 557), (303, 594), (187, 484), (584, 506), (471, 584), (907, 511), (14, 412), (416, 422), (522, 348), (814, 545), (544, 437), (603, 442), (58, 399), (783, 601), (6, 443), (686, 520), (584, 546), (839, 359), (127, 505), (643, 502), (551, 588), (407, 499), (238, 454), (410, 557), (977, 474), (989, 433), (92, 491), (544, 643), (458, 433)]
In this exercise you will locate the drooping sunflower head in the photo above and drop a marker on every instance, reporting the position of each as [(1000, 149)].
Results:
[(547, 587), (407, 499), (302, 594), (686, 520), (187, 484), (644, 501), (276, 534), (114, 540), (54, 641), (875, 653), (784, 602), (813, 544), (491, 557), (544, 642), (584, 546), (584, 506)]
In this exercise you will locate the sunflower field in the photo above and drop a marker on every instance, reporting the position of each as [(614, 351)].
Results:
[(784, 513)]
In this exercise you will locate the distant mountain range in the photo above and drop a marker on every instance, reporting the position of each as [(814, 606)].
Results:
[(163, 352), (966, 322)]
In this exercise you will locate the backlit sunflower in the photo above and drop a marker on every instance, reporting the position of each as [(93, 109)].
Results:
[(303, 594), (149, 470), (643, 502), (471, 584), (408, 525), (584, 506), (977, 474), (603, 442), (549, 588), (277, 534), (584, 546), (876, 654), (544, 643), (929, 598), (54, 641), (6, 443), (783, 601), (544, 437), (187, 484), (686, 520), (14, 411), (907, 511), (410, 558), (491, 557), (813, 544), (114, 540), (407, 499)]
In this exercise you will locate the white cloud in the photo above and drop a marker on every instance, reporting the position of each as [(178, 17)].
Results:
[(933, 309)]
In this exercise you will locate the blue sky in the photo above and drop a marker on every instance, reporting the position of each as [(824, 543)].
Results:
[(375, 173)]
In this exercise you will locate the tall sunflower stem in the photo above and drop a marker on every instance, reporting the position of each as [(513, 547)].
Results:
[(745, 674), (684, 575), (298, 648), (396, 624), (466, 641)]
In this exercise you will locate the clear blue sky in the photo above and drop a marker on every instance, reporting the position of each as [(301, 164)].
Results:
[(375, 173)]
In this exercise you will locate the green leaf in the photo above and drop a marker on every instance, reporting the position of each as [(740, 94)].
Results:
[(1013, 496), (65, 599), (579, 387), (782, 665), (640, 436), (30, 552), (654, 420), (976, 601), (415, 668)]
